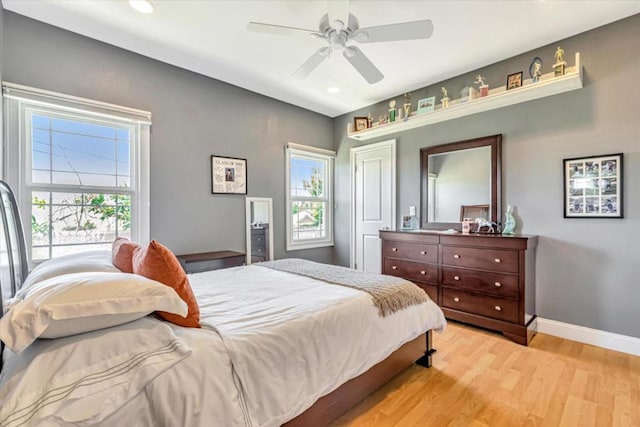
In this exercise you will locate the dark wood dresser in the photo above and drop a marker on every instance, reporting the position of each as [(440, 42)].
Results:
[(484, 280), (206, 261), (260, 243)]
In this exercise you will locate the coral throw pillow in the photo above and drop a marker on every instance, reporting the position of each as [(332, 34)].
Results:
[(122, 254), (157, 262)]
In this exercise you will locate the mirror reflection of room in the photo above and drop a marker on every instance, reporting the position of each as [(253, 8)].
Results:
[(259, 225), (459, 185)]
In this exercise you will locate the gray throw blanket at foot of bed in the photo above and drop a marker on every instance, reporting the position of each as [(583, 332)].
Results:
[(389, 293)]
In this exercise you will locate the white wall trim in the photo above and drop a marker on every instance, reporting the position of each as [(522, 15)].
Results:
[(617, 342)]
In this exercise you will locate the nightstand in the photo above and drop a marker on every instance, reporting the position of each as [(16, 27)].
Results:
[(196, 263)]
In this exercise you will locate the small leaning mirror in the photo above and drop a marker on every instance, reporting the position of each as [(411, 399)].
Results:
[(259, 220)]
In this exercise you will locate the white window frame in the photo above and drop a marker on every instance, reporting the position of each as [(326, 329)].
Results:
[(20, 102), (328, 156)]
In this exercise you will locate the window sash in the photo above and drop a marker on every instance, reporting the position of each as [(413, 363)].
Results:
[(17, 153), (324, 157), (30, 111)]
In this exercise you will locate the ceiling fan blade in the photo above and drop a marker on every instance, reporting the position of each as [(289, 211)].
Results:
[(338, 10), (311, 63), (280, 30), (394, 32), (362, 64)]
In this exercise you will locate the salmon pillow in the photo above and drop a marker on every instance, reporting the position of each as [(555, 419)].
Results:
[(157, 262), (122, 254)]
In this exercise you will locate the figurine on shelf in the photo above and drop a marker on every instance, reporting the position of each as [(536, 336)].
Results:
[(559, 66), (369, 121), (535, 69), (445, 98), (483, 87), (509, 223), (407, 106), (392, 110), (383, 120)]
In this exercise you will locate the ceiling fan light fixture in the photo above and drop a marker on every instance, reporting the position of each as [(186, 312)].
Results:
[(349, 52), (142, 6)]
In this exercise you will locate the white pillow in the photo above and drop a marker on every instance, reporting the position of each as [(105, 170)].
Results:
[(73, 263), (81, 302)]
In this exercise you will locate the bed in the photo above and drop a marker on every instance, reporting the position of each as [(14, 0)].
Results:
[(275, 348)]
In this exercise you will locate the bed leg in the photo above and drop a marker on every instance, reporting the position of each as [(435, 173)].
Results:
[(426, 359)]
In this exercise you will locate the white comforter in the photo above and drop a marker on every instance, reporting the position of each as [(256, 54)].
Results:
[(272, 343)]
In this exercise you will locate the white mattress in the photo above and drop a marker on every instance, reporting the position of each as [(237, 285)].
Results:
[(272, 343)]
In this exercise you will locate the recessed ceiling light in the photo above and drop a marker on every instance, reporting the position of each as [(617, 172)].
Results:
[(142, 6), (333, 89)]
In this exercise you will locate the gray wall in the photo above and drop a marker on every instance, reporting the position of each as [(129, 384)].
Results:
[(587, 269), (193, 117)]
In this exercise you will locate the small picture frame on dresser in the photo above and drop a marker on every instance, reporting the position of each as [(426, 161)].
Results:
[(593, 187)]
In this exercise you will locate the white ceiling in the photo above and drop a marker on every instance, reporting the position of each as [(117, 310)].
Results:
[(210, 37)]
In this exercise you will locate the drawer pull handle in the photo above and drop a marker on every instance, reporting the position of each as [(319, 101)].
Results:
[(497, 260), (456, 277), (456, 299), (423, 272), (456, 256), (394, 267), (423, 252), (394, 249), (498, 284), (498, 308)]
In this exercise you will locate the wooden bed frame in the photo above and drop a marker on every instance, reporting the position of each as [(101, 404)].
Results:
[(334, 404), (325, 410)]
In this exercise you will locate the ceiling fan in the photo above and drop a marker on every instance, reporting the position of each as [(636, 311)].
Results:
[(339, 27)]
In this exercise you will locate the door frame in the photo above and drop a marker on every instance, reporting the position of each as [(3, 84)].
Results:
[(352, 179)]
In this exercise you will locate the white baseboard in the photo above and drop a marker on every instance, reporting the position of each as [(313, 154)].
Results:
[(617, 342)]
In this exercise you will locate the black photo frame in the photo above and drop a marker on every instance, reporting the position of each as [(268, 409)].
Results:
[(593, 186), (228, 175), (514, 80)]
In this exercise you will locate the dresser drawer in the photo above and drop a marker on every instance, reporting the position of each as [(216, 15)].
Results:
[(479, 281), (497, 308), (431, 290), (257, 239), (411, 270), (258, 250), (258, 231), (488, 259), (410, 251)]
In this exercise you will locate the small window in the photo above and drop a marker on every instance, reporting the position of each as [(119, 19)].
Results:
[(309, 197)]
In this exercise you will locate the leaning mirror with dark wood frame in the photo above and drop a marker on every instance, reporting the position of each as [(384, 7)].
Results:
[(460, 180)]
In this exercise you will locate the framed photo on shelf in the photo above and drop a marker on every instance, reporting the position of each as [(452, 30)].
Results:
[(228, 175), (593, 187), (427, 104), (360, 123), (514, 80)]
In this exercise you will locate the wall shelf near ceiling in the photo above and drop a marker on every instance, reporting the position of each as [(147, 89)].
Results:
[(497, 98)]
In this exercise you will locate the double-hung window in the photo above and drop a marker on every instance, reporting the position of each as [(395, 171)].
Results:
[(81, 169), (309, 216)]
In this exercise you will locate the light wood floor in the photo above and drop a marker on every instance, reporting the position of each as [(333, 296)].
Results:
[(480, 378)]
